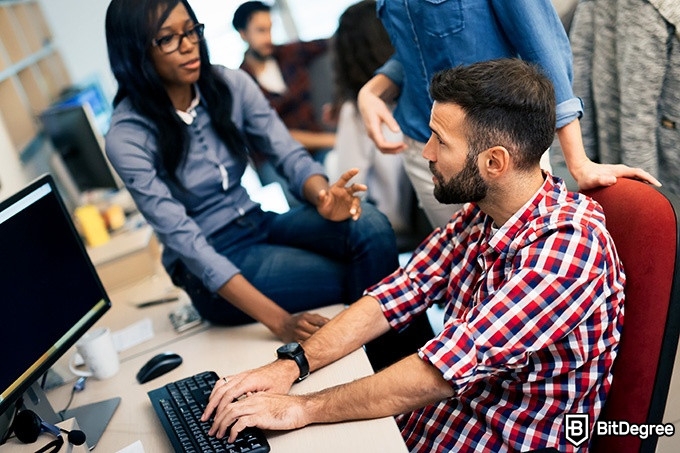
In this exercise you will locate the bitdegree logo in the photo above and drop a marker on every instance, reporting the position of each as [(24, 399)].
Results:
[(623, 428), (577, 429)]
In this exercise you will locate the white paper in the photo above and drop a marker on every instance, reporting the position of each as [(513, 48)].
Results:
[(133, 335), (136, 447)]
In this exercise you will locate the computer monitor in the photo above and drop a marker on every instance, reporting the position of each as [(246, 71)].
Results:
[(80, 146), (89, 93), (50, 295)]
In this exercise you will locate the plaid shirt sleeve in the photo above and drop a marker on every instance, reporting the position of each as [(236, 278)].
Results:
[(544, 291), (424, 280)]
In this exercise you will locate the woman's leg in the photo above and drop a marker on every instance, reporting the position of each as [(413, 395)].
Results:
[(294, 278), (365, 247)]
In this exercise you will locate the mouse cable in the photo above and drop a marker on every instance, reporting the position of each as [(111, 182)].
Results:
[(77, 387)]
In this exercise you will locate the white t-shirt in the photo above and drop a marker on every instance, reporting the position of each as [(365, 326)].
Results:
[(271, 78)]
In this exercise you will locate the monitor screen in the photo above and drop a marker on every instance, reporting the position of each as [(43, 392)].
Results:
[(92, 94), (51, 293), (80, 145)]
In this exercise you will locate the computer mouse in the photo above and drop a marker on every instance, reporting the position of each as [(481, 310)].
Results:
[(158, 365)]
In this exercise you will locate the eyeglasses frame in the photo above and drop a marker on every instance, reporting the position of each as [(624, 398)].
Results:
[(200, 28)]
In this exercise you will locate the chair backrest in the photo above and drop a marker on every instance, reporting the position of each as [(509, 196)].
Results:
[(643, 222)]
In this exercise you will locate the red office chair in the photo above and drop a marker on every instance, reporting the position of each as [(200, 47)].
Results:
[(643, 222)]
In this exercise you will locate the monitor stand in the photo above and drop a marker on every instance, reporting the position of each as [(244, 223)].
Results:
[(92, 418)]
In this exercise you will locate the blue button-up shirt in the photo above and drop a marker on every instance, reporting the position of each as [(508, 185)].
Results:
[(432, 35), (211, 175)]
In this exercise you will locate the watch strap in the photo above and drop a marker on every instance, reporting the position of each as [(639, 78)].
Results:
[(298, 355)]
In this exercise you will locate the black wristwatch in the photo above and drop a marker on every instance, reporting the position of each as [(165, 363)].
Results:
[(293, 351)]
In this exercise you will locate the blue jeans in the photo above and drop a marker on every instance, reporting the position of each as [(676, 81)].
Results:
[(298, 259)]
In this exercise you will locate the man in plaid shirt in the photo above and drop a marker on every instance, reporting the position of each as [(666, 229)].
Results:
[(529, 277), (282, 72)]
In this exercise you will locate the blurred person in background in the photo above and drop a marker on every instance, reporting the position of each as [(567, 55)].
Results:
[(282, 72), (360, 46)]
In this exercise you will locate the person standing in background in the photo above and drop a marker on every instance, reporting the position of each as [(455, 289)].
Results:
[(360, 46), (431, 36)]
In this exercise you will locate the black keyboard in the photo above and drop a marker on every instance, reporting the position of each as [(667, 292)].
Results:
[(180, 404)]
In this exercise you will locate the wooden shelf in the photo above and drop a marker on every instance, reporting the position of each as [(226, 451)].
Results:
[(11, 34), (16, 116), (55, 74), (35, 87), (32, 73), (32, 30)]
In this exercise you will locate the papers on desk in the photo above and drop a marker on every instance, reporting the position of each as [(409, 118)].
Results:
[(126, 338), (133, 335), (137, 447)]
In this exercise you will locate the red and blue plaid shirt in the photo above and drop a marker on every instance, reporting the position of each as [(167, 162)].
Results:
[(295, 106), (533, 314)]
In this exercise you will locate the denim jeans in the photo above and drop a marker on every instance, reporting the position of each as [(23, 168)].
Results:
[(298, 259)]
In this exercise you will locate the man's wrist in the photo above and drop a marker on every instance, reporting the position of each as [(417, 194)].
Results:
[(295, 353), (290, 368)]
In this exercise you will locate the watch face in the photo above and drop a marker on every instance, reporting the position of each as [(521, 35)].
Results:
[(289, 348)]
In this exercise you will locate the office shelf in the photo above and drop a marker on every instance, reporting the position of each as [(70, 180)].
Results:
[(32, 73)]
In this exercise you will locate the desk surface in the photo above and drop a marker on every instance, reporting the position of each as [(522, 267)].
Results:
[(226, 351)]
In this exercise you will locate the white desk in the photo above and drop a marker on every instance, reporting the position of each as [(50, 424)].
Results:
[(226, 351)]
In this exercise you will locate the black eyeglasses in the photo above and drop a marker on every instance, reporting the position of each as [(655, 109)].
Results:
[(170, 43)]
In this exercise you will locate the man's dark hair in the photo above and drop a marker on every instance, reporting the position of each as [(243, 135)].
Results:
[(360, 46), (245, 11), (507, 102)]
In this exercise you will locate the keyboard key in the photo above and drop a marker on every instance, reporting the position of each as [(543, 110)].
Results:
[(180, 404)]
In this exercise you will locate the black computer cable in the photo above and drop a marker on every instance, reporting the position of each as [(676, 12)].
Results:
[(77, 387)]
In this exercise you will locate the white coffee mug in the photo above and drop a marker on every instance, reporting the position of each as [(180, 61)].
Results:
[(98, 353)]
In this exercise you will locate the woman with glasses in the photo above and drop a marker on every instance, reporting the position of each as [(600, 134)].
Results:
[(179, 139)]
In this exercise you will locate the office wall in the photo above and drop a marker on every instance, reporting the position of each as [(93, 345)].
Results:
[(12, 174), (78, 29)]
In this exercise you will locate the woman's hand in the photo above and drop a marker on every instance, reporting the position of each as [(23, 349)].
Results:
[(339, 201), (588, 174), (301, 326), (244, 296)]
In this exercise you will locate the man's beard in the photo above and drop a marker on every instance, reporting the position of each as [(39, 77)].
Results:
[(467, 186), (260, 56)]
